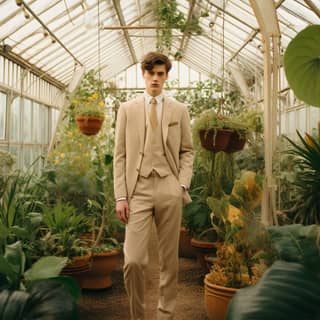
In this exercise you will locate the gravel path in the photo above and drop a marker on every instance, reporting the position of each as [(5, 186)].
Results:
[(112, 303)]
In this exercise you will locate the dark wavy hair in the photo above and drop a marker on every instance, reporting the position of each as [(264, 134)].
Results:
[(155, 58)]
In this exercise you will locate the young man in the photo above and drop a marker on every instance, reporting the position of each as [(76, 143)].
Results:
[(152, 171)]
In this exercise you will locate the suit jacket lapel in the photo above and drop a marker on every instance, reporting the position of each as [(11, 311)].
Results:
[(141, 120), (166, 116)]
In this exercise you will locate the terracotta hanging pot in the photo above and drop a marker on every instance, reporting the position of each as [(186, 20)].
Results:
[(236, 143), (215, 140), (89, 125)]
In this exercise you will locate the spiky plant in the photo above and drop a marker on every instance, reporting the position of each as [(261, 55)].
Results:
[(307, 181)]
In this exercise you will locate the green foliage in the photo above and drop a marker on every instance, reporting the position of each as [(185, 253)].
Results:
[(298, 243), (45, 300), (245, 242), (63, 226), (307, 179), (89, 97), (13, 268), (169, 17), (302, 65), (286, 291), (6, 163), (289, 289), (205, 96), (19, 209)]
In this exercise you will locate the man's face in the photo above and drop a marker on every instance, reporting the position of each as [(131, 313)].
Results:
[(154, 79)]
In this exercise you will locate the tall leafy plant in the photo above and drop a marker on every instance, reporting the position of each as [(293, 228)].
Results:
[(307, 180)]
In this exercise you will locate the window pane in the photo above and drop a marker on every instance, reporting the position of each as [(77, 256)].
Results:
[(54, 119), (27, 121), (15, 117), (302, 120), (36, 123), (44, 125), (3, 103)]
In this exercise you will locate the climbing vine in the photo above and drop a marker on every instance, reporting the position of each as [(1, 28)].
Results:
[(169, 17)]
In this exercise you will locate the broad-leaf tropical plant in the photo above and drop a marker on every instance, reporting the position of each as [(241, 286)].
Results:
[(289, 289), (37, 292)]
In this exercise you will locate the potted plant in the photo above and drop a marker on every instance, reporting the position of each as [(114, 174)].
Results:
[(61, 237), (289, 289), (102, 240), (221, 132), (238, 259), (88, 104), (214, 176)]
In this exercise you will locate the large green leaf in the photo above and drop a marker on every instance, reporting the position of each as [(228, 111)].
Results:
[(16, 257), (45, 300), (12, 304), (286, 291), (302, 65), (70, 285), (50, 300), (46, 267), (297, 243)]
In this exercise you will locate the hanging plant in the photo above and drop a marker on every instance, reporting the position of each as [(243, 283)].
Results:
[(169, 17)]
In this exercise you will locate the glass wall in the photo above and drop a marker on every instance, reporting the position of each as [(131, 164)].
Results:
[(27, 122)]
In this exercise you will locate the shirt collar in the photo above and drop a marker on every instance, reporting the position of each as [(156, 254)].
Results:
[(159, 98)]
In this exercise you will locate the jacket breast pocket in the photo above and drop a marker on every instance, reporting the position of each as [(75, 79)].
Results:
[(172, 124)]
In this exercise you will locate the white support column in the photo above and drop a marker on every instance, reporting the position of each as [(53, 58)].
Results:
[(266, 15)]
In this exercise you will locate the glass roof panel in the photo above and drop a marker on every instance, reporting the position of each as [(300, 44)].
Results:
[(75, 24)]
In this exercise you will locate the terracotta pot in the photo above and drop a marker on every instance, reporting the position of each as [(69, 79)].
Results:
[(185, 248), (215, 140), (236, 142), (202, 249), (217, 299), (89, 125), (98, 277), (80, 263), (77, 267)]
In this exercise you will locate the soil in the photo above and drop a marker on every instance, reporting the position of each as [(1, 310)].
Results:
[(112, 303)]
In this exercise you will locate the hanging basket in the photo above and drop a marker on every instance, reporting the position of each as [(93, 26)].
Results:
[(89, 125), (215, 140), (236, 143)]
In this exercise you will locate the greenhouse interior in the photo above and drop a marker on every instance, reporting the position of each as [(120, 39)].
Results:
[(159, 159)]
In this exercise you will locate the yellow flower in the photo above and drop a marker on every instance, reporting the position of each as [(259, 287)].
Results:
[(231, 249), (95, 96), (86, 154), (74, 101), (101, 104), (235, 215), (56, 161), (50, 155), (62, 155), (80, 146)]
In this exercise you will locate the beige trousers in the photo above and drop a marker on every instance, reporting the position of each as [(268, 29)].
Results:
[(159, 200)]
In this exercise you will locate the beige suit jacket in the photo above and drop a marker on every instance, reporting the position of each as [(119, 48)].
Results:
[(130, 139)]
